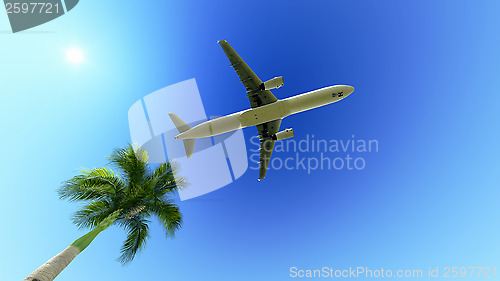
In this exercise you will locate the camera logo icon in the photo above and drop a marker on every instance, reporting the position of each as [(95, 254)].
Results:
[(216, 161)]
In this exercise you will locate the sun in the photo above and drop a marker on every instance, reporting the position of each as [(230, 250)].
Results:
[(74, 55)]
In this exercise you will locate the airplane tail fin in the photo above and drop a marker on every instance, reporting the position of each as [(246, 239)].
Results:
[(182, 127)]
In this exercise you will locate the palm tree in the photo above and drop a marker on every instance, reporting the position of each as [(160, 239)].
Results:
[(127, 200)]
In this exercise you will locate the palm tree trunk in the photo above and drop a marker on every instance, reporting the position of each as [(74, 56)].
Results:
[(50, 269)]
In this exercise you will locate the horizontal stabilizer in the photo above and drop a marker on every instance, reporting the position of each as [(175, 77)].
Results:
[(179, 124), (189, 147), (182, 127)]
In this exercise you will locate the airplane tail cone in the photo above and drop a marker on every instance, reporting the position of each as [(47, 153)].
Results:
[(182, 127)]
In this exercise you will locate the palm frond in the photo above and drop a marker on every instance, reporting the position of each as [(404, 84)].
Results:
[(137, 234), (165, 180), (92, 214), (168, 214), (95, 184), (132, 160)]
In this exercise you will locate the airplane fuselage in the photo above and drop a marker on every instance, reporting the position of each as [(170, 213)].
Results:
[(277, 110)]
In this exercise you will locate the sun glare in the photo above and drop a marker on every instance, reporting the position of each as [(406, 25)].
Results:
[(74, 55)]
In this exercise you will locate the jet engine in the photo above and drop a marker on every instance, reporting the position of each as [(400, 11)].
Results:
[(285, 134), (274, 83)]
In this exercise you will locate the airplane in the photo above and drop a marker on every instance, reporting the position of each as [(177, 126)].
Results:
[(266, 110)]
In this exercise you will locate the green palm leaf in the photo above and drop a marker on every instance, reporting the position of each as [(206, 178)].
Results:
[(91, 185), (137, 233)]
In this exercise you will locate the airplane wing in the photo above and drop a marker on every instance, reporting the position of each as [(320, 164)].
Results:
[(256, 96), (266, 130)]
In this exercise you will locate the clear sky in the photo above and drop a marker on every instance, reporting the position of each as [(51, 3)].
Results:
[(426, 77)]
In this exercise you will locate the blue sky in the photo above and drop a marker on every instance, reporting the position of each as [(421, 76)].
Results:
[(426, 79)]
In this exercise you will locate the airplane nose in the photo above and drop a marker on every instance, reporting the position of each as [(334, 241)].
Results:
[(350, 89)]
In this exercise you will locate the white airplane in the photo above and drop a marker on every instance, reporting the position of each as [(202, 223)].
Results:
[(266, 113)]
